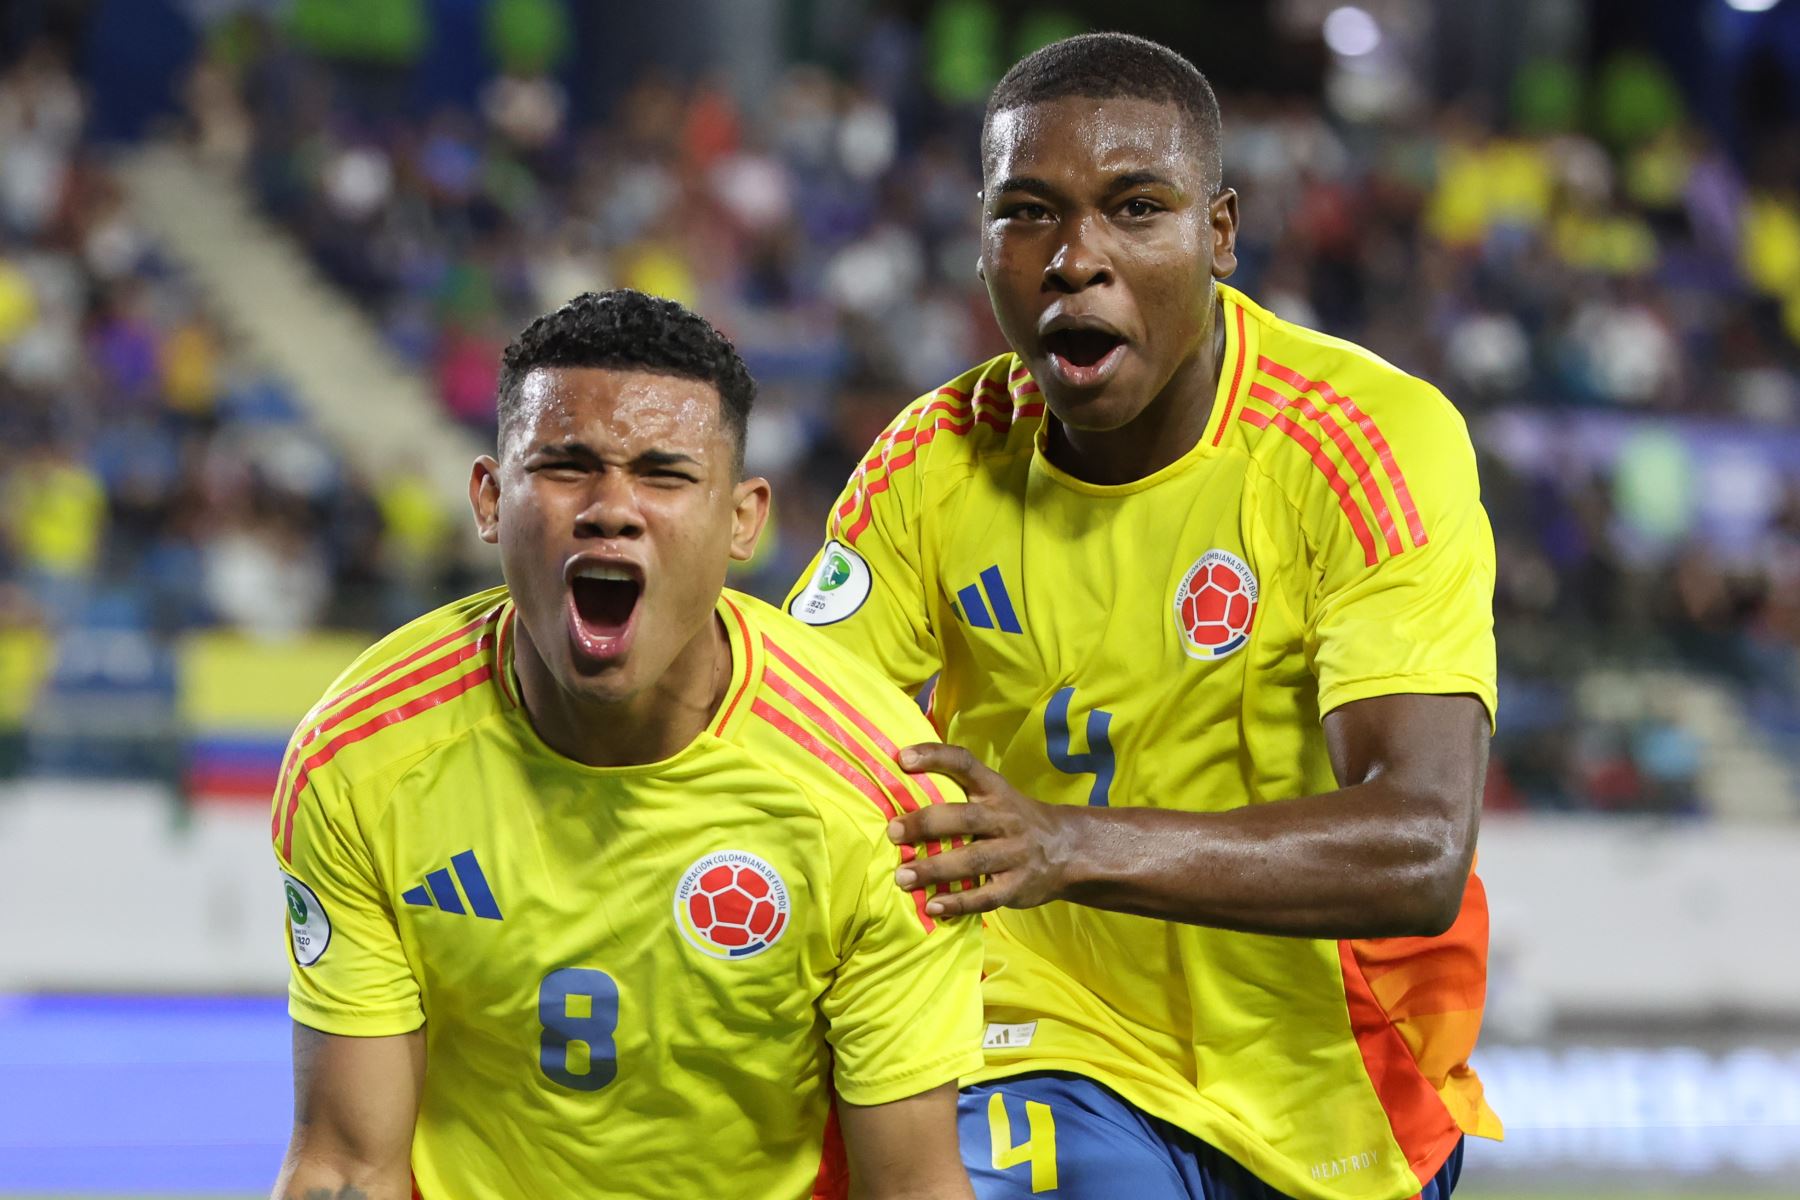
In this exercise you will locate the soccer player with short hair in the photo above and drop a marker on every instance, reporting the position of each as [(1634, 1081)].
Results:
[(588, 880), (1208, 597)]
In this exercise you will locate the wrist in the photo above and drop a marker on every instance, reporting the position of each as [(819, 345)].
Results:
[(1071, 849)]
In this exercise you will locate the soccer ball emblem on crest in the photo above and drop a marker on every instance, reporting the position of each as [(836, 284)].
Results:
[(731, 904), (1215, 605)]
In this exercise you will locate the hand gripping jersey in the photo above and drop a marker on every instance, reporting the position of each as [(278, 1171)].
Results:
[(1174, 643), (634, 982)]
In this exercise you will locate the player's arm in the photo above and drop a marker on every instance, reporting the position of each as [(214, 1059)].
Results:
[(902, 1010), (1387, 855), (355, 1101), (905, 1149), (359, 1043), (1404, 655)]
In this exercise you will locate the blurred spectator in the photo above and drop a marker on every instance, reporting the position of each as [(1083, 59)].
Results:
[(1614, 303)]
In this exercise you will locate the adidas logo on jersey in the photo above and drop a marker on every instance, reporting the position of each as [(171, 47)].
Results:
[(438, 891), (977, 613)]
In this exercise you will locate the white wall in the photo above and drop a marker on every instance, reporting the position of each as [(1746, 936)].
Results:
[(1613, 917), (108, 887), (111, 887)]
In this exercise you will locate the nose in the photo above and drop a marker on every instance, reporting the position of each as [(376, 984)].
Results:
[(1078, 263), (612, 509)]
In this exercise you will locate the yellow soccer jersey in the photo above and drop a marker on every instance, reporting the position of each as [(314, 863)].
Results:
[(637, 981), (1173, 643)]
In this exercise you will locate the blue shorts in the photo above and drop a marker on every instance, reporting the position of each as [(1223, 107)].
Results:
[(1052, 1134)]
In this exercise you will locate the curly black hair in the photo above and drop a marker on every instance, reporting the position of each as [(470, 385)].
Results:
[(1110, 66), (627, 329)]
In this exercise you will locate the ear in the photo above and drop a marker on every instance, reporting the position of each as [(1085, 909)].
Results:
[(750, 509), (1224, 213), (484, 498)]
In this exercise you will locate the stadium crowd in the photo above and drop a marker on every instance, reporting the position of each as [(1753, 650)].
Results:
[(1609, 300)]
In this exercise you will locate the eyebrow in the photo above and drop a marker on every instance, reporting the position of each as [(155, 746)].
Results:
[(1132, 179), (666, 458), (1024, 183), (1128, 179), (646, 458)]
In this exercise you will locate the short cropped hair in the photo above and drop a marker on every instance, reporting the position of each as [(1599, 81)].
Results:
[(629, 330), (1111, 66)]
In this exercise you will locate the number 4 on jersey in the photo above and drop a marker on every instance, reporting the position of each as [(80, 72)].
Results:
[(1096, 761)]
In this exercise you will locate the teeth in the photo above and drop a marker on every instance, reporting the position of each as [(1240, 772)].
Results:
[(604, 571)]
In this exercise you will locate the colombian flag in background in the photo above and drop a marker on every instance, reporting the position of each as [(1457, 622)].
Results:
[(239, 698)]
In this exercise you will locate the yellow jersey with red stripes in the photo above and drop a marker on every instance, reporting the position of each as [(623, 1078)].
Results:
[(637, 981), (1174, 643)]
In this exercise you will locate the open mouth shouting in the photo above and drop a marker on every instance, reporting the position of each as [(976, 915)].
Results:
[(1080, 351), (603, 605)]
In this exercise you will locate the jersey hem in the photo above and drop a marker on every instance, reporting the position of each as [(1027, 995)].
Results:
[(1430, 683), (1219, 1130), (886, 1089), (358, 1023)]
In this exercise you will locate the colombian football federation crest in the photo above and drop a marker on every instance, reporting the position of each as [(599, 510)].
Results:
[(731, 904), (1215, 605), (837, 588)]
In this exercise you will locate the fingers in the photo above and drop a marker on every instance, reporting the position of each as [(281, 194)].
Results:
[(963, 863), (953, 761), (989, 896), (941, 822)]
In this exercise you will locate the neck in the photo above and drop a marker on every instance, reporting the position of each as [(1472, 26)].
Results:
[(649, 726), (1168, 427)]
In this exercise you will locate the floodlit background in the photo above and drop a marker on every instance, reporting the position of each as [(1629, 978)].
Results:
[(258, 260)]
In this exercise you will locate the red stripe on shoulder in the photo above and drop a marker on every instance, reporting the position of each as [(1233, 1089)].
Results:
[(855, 778), (1320, 460), (293, 774), (990, 404), (749, 670), (504, 643), (1237, 376), (887, 779), (374, 725), (1414, 525), (857, 717), (415, 656), (1352, 456)]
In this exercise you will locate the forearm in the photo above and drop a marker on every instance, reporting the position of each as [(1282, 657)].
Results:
[(946, 1188), (309, 1176), (905, 1150), (1369, 860), (355, 1102)]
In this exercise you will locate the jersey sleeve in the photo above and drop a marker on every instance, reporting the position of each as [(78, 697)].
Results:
[(348, 970), (866, 586), (903, 1013), (1422, 619)]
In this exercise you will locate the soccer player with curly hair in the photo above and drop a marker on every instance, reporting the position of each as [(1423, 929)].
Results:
[(588, 883)]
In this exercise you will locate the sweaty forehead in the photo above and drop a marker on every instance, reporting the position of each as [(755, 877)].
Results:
[(1077, 135), (615, 411)]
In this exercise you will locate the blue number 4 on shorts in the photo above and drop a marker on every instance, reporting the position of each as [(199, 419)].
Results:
[(1069, 1138)]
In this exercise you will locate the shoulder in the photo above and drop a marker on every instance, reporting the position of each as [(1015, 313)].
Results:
[(989, 409), (1347, 436), (429, 681), (822, 714)]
